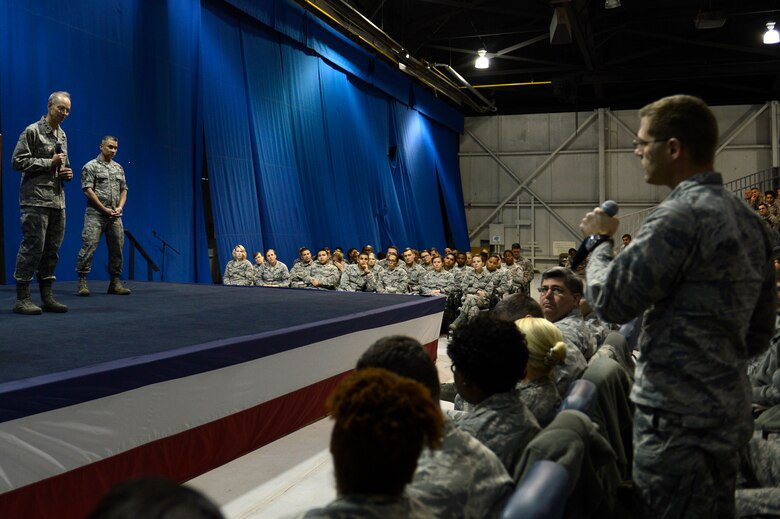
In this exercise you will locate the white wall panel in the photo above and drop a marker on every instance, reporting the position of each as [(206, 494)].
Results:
[(570, 183)]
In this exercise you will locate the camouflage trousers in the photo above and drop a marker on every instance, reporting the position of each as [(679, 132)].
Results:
[(95, 225), (472, 304), (758, 485), (43, 229), (682, 473)]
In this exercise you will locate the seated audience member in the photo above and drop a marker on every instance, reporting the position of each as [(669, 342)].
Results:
[(391, 249), (301, 270), (769, 220), (273, 273), (154, 498), (488, 360), (763, 369), (758, 481), (393, 279), (259, 260), (771, 203), (373, 264), (352, 255), (462, 478), (520, 278), (382, 423), (358, 277), (426, 259), (502, 279), (516, 307), (753, 197), (560, 296), (323, 273), (569, 258), (239, 271), (437, 282), (546, 350), (414, 271), (625, 240), (338, 260), (598, 328), (477, 288)]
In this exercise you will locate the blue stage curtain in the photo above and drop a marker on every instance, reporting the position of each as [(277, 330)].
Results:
[(307, 138), (128, 66)]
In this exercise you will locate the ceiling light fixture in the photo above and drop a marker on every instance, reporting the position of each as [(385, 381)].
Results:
[(771, 36), (611, 4), (482, 61)]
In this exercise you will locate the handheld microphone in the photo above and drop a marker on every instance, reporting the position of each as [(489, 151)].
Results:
[(58, 150), (588, 244)]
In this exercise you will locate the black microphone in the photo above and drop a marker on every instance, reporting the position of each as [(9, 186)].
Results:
[(588, 244), (58, 150)]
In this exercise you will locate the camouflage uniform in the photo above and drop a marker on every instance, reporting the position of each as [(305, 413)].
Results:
[(355, 280), (415, 273), (273, 276), (758, 485), (577, 332), (519, 277), (437, 281), (461, 479), (528, 272), (371, 507), (328, 275), (701, 270), (541, 397), (502, 282), (240, 273), (574, 365), (472, 283), (503, 423), (107, 180), (41, 199), (766, 387), (300, 274), (394, 281)]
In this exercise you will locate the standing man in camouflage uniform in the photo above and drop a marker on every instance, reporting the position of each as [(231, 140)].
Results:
[(709, 305), (104, 185), (41, 155)]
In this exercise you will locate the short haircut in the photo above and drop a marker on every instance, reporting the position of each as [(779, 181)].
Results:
[(109, 138), (154, 498), (516, 246), (570, 280), (626, 236), (403, 356), (688, 119), (383, 421), (516, 307), (489, 353), (59, 93), (770, 192)]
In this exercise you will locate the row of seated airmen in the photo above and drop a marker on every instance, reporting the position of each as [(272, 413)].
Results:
[(396, 453), (410, 272)]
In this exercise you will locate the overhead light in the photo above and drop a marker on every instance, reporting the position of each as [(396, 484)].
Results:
[(482, 61), (611, 4), (771, 36)]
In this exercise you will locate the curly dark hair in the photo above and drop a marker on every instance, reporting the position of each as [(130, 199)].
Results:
[(489, 352), (383, 421), (516, 307), (403, 356)]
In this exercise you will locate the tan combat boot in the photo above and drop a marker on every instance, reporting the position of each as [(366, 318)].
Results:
[(115, 287), (83, 288), (24, 304), (48, 303)]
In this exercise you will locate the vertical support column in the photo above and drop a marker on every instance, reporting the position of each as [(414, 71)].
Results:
[(602, 171), (773, 134)]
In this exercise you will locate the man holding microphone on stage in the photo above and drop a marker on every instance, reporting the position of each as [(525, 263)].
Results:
[(700, 269), (41, 155)]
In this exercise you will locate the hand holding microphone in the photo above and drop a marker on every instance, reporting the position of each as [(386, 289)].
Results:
[(598, 225), (58, 161)]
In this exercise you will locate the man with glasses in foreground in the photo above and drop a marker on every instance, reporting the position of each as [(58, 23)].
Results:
[(700, 269)]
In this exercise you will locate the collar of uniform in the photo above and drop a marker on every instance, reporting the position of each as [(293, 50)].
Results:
[(48, 129)]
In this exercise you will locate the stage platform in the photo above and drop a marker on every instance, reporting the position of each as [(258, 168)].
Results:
[(174, 379)]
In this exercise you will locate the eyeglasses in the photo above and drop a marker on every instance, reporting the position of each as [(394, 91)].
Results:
[(641, 142), (557, 291)]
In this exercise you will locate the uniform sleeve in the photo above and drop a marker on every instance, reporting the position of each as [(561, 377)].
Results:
[(23, 158), (623, 287)]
